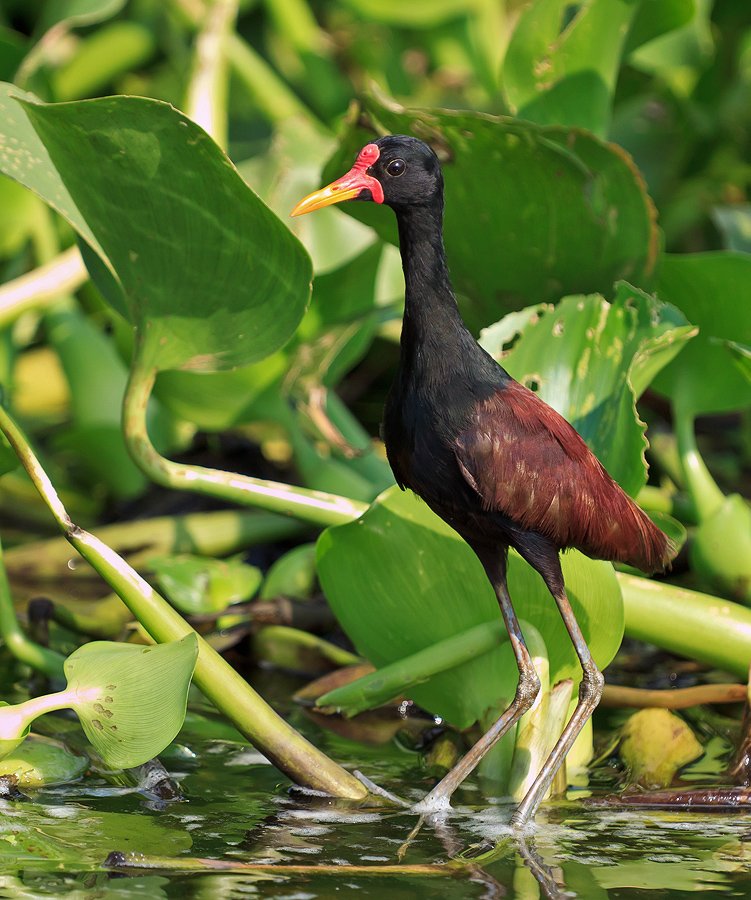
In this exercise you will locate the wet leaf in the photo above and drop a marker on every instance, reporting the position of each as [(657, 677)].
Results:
[(131, 700), (399, 580), (42, 761), (591, 360), (656, 744), (199, 584), (532, 212)]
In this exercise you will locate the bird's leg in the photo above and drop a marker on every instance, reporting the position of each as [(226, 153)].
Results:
[(590, 691), (526, 692)]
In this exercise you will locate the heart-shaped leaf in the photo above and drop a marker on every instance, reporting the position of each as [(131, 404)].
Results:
[(131, 700), (532, 212), (209, 276), (590, 360), (399, 579)]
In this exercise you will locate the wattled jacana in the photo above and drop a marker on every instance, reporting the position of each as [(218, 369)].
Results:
[(484, 452)]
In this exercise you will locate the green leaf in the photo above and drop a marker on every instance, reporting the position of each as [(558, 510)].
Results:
[(711, 289), (399, 580), (19, 212), (198, 584), (679, 55), (657, 17), (24, 158), (292, 575), (131, 700), (211, 278), (560, 68), (591, 360), (43, 762), (532, 212)]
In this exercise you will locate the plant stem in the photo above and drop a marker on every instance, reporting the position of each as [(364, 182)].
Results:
[(699, 626), (206, 101), (679, 698), (63, 274), (27, 651), (317, 507), (392, 680), (702, 487), (274, 737)]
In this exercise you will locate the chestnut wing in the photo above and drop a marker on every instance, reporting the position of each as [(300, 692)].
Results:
[(529, 464)]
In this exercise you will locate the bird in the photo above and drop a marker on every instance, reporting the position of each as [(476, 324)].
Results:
[(486, 454)]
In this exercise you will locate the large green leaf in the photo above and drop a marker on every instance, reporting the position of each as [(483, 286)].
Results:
[(561, 68), (532, 212), (712, 290), (591, 360), (399, 579), (131, 700), (210, 277)]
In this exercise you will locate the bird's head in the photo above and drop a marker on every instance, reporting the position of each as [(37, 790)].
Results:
[(396, 170)]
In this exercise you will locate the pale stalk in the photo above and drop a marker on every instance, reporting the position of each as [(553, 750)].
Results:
[(317, 507), (206, 101), (62, 275)]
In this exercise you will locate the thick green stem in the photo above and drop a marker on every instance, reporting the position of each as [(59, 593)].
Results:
[(274, 737), (703, 489), (392, 680), (34, 655), (206, 101), (698, 626), (313, 506)]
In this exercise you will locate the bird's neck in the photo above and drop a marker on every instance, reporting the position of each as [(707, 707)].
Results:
[(431, 314)]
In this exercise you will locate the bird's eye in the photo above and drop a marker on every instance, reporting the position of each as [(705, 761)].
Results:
[(396, 167)]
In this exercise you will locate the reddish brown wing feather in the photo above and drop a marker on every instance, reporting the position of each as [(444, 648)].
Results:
[(528, 463)]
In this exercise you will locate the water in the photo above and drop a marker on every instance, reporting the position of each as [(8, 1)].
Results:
[(240, 811)]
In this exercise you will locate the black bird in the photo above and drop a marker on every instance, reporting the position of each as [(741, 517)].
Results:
[(484, 452)]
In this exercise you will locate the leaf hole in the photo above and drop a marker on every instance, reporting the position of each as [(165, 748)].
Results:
[(509, 345)]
